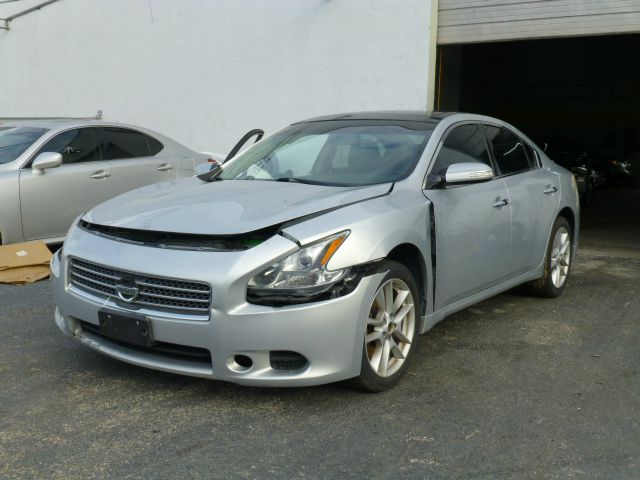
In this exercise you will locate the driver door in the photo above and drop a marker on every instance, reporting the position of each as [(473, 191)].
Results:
[(472, 221), (51, 201)]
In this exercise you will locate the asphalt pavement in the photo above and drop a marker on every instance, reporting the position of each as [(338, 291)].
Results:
[(514, 387)]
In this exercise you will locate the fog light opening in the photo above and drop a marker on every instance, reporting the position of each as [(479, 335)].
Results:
[(286, 360), (243, 362)]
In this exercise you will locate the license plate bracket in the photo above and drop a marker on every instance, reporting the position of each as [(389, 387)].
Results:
[(128, 328)]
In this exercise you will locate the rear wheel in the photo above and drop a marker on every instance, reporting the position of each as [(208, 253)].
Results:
[(392, 330), (557, 262)]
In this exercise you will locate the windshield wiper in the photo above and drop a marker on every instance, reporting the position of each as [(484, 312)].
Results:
[(299, 180)]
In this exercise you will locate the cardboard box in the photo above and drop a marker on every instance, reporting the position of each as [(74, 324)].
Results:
[(26, 262)]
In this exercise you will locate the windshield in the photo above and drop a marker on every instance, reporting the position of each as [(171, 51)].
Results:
[(337, 153), (15, 140)]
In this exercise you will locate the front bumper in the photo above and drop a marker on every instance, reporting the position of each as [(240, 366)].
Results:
[(329, 334)]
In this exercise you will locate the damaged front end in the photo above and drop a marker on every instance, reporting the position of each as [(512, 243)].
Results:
[(301, 277)]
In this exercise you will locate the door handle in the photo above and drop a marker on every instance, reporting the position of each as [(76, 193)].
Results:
[(500, 203), (550, 189), (100, 174), (165, 167)]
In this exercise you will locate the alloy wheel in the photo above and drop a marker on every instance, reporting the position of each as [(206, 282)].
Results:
[(390, 327), (560, 257)]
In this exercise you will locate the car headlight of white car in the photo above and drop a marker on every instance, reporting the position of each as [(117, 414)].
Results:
[(301, 276)]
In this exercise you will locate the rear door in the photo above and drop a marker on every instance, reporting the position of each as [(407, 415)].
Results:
[(472, 221), (51, 201), (136, 158), (533, 192)]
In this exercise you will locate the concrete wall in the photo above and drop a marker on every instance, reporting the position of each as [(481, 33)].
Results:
[(204, 72)]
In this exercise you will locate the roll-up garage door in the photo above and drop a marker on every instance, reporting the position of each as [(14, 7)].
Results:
[(468, 21)]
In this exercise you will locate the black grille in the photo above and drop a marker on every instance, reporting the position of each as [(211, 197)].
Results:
[(163, 349), (156, 293)]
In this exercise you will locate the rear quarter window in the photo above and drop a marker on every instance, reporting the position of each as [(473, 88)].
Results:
[(122, 143), (155, 146)]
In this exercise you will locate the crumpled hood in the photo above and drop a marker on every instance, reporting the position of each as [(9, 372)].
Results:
[(224, 207)]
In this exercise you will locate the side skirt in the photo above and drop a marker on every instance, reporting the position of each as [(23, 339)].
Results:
[(430, 320)]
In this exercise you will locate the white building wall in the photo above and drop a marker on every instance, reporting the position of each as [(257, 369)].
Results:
[(206, 71)]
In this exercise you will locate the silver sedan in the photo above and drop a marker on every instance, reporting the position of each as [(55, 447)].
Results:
[(53, 170), (321, 252)]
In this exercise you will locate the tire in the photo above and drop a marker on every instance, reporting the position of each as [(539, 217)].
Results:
[(392, 335), (554, 280)]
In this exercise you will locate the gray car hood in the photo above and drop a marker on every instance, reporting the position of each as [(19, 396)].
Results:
[(222, 208)]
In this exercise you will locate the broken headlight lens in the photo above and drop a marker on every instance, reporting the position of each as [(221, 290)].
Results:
[(302, 273)]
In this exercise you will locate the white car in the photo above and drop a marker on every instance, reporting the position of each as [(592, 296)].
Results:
[(53, 170)]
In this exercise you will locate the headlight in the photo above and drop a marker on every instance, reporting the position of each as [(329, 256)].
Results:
[(303, 273)]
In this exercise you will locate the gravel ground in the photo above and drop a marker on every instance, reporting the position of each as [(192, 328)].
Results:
[(514, 387)]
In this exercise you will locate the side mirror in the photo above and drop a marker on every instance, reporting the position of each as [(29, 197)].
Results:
[(207, 171), (45, 161), (468, 172)]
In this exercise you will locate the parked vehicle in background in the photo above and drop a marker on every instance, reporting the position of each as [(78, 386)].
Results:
[(580, 164), (53, 170), (614, 172), (320, 253), (604, 169)]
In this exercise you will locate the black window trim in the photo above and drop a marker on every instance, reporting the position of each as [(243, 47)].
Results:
[(484, 124), (27, 164), (433, 158), (537, 159)]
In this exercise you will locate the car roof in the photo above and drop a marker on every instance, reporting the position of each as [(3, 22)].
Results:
[(56, 125), (392, 115), (48, 122), (61, 123)]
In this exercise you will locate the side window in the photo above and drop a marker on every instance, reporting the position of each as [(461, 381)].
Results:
[(80, 145), (465, 143), (155, 146), (532, 154), (121, 143), (508, 150)]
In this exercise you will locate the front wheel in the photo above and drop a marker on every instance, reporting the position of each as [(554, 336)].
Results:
[(391, 334), (557, 262)]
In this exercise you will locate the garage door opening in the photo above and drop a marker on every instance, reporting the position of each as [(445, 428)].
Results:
[(580, 96)]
